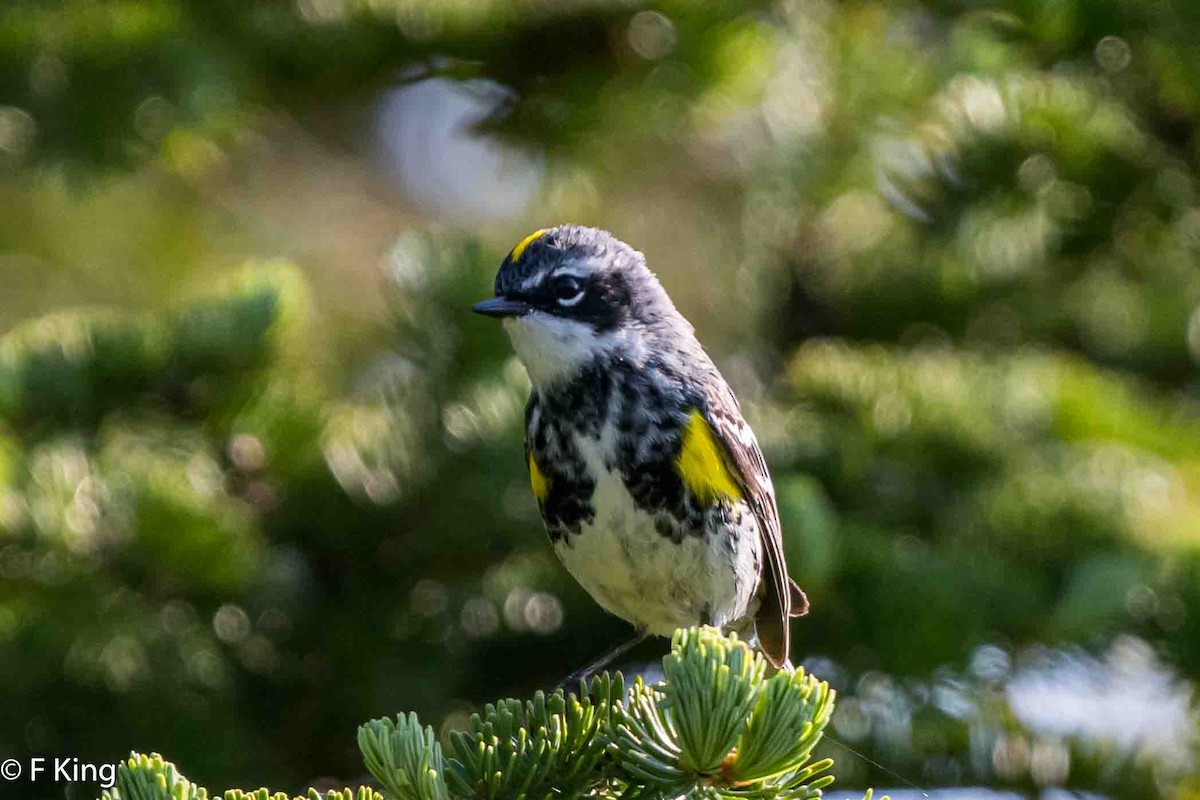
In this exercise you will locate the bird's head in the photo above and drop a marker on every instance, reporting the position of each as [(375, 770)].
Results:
[(570, 296)]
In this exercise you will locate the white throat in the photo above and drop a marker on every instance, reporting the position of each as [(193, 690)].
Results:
[(553, 348)]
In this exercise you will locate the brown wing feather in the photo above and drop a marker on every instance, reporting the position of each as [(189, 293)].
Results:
[(781, 597)]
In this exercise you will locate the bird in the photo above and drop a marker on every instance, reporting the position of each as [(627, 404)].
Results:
[(651, 484)]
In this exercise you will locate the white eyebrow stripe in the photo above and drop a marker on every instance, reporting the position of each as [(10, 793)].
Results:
[(533, 281), (571, 273)]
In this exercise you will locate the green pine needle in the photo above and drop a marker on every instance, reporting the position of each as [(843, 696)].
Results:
[(546, 747), (404, 758), (151, 777), (716, 728)]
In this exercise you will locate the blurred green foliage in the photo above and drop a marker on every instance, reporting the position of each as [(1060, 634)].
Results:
[(946, 253)]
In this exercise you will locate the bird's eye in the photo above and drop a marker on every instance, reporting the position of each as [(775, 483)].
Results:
[(567, 289)]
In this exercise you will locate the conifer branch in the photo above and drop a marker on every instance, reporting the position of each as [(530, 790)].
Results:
[(715, 727)]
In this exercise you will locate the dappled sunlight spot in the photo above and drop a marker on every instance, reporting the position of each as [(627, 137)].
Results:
[(83, 515), (1036, 173), (231, 624), (1193, 335), (528, 610), (321, 12), (429, 598), (902, 168), (17, 131), (651, 35), (1149, 492), (13, 511), (509, 597), (979, 101), (797, 94), (543, 613), (368, 449), (207, 669), (1187, 228), (247, 452), (1049, 762), (852, 721), (258, 654), (1127, 699), (492, 409), (887, 709), (854, 223), (990, 664), (1113, 54), (177, 616), (1068, 706), (786, 431), (725, 134), (1026, 399), (458, 422), (514, 608), (124, 662), (276, 623), (407, 262), (1000, 245), (429, 138), (154, 117), (1154, 493), (68, 500), (193, 156), (964, 402), (1111, 309), (64, 464), (1011, 756), (204, 475), (1141, 601), (479, 618), (941, 171), (891, 414)]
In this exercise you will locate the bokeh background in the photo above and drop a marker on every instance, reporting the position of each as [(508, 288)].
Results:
[(260, 470)]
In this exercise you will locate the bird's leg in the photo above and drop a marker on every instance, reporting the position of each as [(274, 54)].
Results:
[(572, 680)]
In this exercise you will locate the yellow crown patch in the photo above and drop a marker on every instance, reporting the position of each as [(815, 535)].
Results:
[(522, 245)]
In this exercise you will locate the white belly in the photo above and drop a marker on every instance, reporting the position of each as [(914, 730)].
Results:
[(637, 573)]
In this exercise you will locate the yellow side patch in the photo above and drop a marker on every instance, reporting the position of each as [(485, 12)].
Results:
[(519, 250), (702, 463), (538, 481)]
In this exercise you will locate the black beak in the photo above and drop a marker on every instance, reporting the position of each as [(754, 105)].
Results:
[(501, 307)]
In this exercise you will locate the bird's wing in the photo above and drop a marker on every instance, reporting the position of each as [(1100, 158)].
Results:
[(781, 597)]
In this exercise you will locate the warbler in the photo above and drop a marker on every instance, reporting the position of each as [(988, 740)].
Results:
[(651, 484)]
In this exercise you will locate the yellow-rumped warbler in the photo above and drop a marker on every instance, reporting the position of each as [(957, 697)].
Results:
[(651, 484)]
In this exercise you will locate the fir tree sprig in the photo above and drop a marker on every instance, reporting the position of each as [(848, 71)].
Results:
[(718, 726), (405, 758), (150, 777), (715, 727), (550, 746)]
